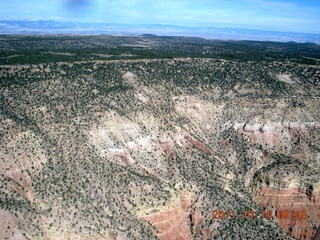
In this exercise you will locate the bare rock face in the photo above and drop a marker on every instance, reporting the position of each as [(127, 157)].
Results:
[(277, 135), (130, 78), (299, 199), (172, 224), (288, 183), (167, 145), (177, 220)]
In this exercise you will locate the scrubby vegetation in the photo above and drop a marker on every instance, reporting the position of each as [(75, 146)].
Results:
[(96, 131)]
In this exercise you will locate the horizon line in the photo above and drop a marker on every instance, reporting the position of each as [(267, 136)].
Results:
[(215, 25)]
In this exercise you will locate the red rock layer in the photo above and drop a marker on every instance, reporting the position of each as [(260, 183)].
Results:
[(22, 184), (198, 144), (166, 145), (177, 223), (295, 202), (172, 224)]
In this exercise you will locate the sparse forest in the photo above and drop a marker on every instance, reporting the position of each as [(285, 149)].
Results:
[(108, 137)]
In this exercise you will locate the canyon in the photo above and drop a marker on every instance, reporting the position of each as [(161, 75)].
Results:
[(150, 148)]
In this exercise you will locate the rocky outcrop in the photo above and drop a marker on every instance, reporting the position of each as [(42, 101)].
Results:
[(21, 183), (277, 135), (300, 199), (167, 146), (127, 160), (130, 77), (178, 220), (172, 224), (197, 144)]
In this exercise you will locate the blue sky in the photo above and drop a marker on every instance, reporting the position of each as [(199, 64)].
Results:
[(282, 15)]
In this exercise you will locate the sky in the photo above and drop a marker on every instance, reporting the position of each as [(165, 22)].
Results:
[(278, 15)]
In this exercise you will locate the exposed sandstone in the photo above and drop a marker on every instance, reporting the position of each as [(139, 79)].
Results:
[(294, 196), (177, 219)]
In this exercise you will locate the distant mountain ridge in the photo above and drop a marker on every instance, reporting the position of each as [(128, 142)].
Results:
[(214, 32)]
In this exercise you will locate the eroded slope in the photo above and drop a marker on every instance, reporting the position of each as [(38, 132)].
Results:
[(110, 149)]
